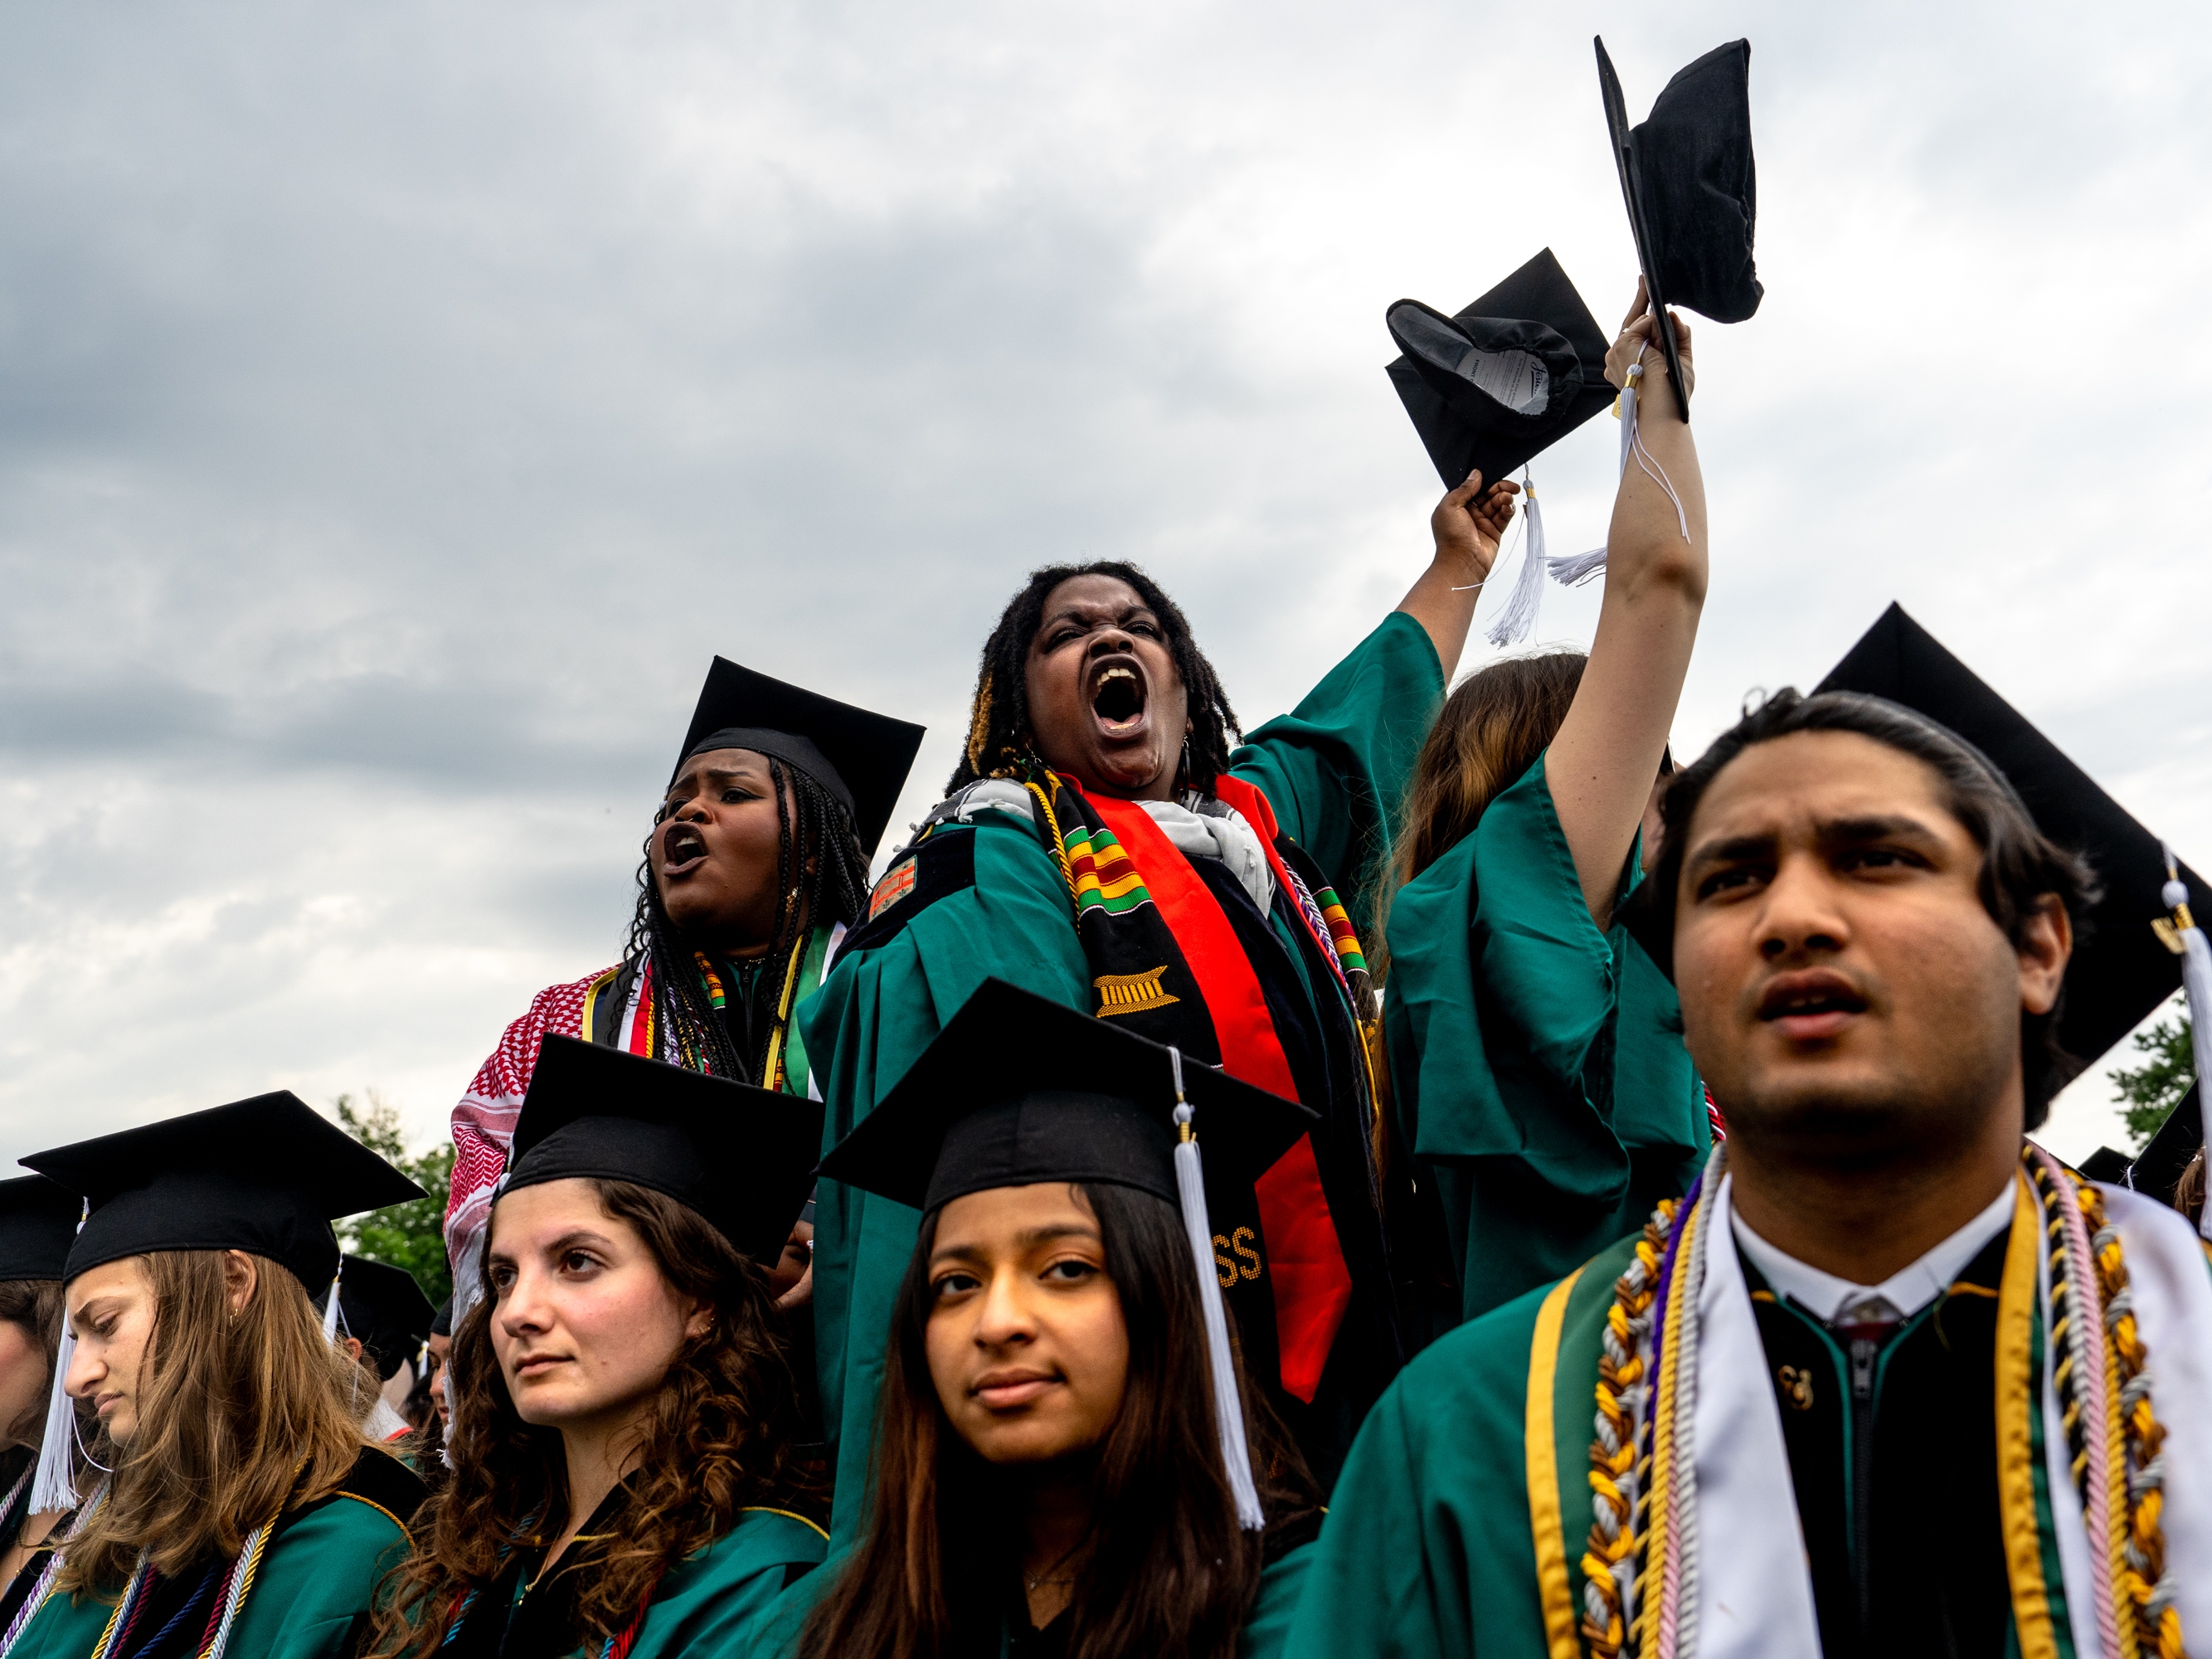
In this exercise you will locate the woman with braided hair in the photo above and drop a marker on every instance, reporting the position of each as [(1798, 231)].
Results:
[(755, 864), (1107, 843), (1889, 1378)]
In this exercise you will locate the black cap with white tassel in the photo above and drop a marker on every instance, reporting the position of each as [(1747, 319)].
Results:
[(2187, 940), (1228, 1407)]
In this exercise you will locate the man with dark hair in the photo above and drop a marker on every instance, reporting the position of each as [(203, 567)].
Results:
[(1887, 1380)]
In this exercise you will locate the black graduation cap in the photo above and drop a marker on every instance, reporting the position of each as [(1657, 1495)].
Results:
[(1018, 1089), (267, 1175), (382, 1307), (1688, 175), (1502, 379), (860, 758), (38, 1224), (2157, 1169), (441, 1322), (2120, 971), (742, 1158)]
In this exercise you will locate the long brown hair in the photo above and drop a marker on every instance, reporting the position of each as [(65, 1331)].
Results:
[(1169, 1574), (240, 1414), (716, 1443), (34, 1306), (1491, 730)]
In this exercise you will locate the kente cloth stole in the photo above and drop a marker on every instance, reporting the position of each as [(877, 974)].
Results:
[(1166, 962)]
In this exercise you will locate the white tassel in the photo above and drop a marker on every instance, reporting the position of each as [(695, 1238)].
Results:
[(1573, 569), (53, 1487), (2195, 988), (330, 1307), (1228, 1409), (1517, 621)]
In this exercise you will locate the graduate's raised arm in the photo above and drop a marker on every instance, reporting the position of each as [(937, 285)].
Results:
[(1602, 765), (1468, 524)]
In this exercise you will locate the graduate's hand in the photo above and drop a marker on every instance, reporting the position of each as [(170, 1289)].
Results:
[(792, 1280), (1639, 340), (1469, 523)]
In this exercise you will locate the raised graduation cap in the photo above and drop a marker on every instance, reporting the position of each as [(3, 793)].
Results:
[(861, 758), (267, 1176), (742, 1158), (38, 1224), (1501, 380), (2120, 972), (1687, 176), (1017, 1089), (384, 1308)]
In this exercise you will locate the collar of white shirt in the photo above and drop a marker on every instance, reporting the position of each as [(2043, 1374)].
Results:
[(1905, 1291)]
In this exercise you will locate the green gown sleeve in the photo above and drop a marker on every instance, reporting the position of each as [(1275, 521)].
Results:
[(1282, 1589), (874, 1015), (1427, 1551), (1335, 767), (713, 1605), (1537, 1063)]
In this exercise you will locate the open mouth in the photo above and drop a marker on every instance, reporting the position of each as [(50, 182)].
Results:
[(1118, 701), (683, 849), (1810, 1006)]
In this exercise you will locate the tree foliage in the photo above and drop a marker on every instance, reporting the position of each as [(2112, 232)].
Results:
[(2153, 1090), (411, 1236)]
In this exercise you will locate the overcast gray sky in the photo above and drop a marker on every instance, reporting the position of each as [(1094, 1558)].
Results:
[(399, 406)]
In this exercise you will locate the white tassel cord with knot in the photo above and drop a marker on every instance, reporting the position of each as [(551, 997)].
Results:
[(1573, 569), (330, 1307), (1228, 1409), (53, 1488), (2189, 942), (1517, 621)]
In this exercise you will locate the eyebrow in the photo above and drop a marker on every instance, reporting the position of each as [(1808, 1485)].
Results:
[(1085, 613), (1028, 1238), (1831, 832), (694, 779)]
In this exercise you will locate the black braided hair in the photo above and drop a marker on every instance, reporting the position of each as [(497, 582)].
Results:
[(810, 825), (998, 738)]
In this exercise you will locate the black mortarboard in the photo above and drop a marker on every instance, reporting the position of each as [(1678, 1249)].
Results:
[(38, 1224), (384, 1308), (1017, 1089), (1504, 379), (742, 1158), (2157, 1169), (860, 758), (1688, 175), (441, 1322), (266, 1176), (2120, 971)]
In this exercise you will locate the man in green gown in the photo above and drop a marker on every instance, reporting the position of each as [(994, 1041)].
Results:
[(1103, 848), (1885, 1381)]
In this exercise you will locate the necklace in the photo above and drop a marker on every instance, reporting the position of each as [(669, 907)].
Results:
[(1046, 1577)]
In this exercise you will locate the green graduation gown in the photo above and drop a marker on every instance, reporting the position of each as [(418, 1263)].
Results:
[(312, 1593), (987, 900), (710, 1605), (1923, 1500), (1536, 1064), (1266, 1633)]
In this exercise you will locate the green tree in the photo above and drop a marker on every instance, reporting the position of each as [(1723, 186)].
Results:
[(2153, 1089), (411, 1236)]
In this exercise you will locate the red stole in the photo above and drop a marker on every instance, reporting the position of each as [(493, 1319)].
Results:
[(1312, 1285)]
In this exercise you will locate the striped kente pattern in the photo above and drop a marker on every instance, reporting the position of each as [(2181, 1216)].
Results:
[(1101, 872)]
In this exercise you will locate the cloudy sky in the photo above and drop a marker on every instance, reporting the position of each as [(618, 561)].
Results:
[(399, 406)]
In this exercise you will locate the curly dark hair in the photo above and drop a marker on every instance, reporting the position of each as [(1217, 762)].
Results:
[(2020, 865), (823, 875), (1000, 742), (1168, 1574), (715, 1443)]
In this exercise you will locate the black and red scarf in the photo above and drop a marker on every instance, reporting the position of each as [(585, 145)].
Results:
[(1166, 961)]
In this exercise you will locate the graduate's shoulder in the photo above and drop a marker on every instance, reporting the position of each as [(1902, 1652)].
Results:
[(378, 1497), (988, 834)]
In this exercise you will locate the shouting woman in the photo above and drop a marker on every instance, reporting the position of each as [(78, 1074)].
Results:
[(242, 1513), (1070, 1463), (1106, 846), (756, 862), (622, 1443)]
